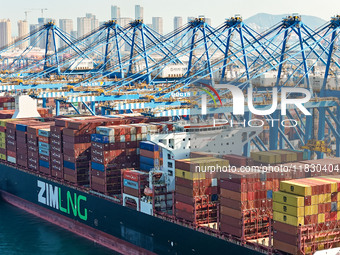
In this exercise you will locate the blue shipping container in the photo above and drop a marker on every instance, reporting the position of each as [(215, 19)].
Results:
[(98, 138), (148, 161), (44, 146), (44, 163), (44, 152), (130, 184), (70, 165), (45, 133), (145, 167), (269, 194), (97, 166), (149, 146), (21, 127)]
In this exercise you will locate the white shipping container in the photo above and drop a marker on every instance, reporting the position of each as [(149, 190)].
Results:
[(108, 131), (11, 159)]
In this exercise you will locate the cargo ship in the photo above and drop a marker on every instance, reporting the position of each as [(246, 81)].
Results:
[(36, 176), (142, 185)]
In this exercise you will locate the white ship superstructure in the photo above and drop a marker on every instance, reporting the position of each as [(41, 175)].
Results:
[(211, 136)]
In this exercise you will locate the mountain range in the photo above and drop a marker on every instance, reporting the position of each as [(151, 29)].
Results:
[(263, 21)]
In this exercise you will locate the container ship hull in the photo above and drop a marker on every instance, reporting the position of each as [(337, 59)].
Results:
[(103, 221)]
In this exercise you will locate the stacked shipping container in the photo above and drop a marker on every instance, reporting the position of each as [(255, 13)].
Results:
[(134, 182), (246, 204), (113, 148), (196, 190), (150, 156), (76, 146), (276, 156), (307, 215)]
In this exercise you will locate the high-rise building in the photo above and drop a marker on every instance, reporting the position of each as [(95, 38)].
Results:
[(23, 31), (74, 34), (157, 24), (115, 12), (5, 32), (139, 12), (124, 21), (83, 26), (208, 21), (33, 41), (65, 25), (178, 22), (94, 21)]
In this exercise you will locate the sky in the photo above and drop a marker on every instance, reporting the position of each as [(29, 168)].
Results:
[(217, 10)]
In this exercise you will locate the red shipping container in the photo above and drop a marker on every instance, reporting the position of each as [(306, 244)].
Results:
[(44, 170), (321, 208), (11, 153), (57, 174), (308, 200), (57, 167), (33, 160), (43, 139), (251, 195), (33, 148), (184, 207), (149, 154)]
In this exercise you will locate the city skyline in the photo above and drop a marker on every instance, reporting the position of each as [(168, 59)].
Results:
[(214, 9)]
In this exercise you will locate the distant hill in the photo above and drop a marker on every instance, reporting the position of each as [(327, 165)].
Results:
[(263, 21)]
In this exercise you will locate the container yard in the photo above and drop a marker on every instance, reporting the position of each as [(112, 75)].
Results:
[(146, 150)]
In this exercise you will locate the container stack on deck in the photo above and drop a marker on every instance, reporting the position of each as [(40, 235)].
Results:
[(246, 204), (276, 156), (150, 155), (3, 151), (33, 145), (238, 161), (134, 183), (56, 147), (44, 139), (109, 155), (196, 191), (307, 215), (76, 145), (7, 103)]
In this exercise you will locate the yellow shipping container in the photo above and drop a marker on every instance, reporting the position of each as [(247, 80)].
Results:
[(2, 156), (325, 198), (2, 145), (321, 247), (321, 218), (189, 176), (315, 200), (265, 157), (3, 122), (290, 155), (311, 210), (328, 197), (296, 188), (288, 209), (321, 198), (290, 220), (288, 199)]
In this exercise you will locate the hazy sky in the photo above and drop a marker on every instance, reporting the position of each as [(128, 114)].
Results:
[(218, 10)]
